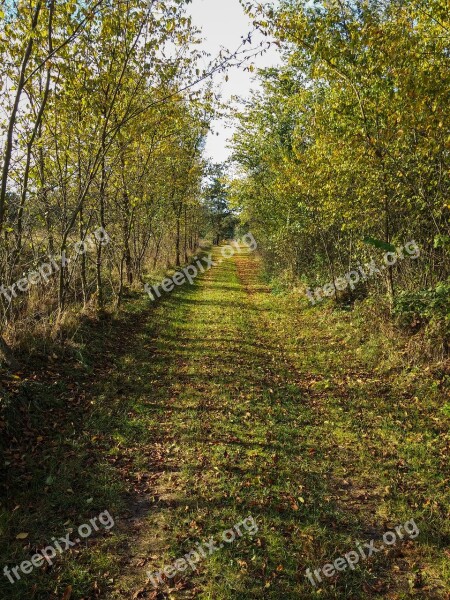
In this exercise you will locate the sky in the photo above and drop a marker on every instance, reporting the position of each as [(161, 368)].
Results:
[(223, 23)]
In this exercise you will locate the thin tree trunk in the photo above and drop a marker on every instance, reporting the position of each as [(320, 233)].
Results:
[(100, 294), (186, 258), (84, 286), (178, 241), (36, 131), (13, 117)]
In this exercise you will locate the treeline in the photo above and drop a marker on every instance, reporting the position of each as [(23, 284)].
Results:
[(100, 130), (346, 147)]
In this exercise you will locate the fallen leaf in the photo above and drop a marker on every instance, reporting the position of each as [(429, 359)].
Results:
[(67, 593)]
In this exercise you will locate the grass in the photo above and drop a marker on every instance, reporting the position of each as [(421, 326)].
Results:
[(219, 402)]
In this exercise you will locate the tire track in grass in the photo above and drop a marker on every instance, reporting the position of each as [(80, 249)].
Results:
[(348, 440), (183, 377)]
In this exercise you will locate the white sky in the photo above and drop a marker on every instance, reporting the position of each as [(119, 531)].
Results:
[(223, 23)]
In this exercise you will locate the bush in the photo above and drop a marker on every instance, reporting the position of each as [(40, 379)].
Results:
[(429, 306)]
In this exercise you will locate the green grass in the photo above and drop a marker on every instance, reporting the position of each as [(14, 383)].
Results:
[(223, 401)]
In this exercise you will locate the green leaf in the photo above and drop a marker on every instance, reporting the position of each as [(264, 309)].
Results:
[(379, 244)]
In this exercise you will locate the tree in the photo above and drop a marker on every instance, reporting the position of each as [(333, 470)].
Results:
[(222, 220)]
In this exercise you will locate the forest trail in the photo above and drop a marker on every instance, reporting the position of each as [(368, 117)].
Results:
[(226, 407), (261, 412), (275, 426)]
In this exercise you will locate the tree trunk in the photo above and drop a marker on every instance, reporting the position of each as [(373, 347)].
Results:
[(178, 242), (13, 117), (100, 294)]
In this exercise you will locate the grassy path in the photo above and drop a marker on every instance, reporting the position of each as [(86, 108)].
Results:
[(263, 416), (225, 402)]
